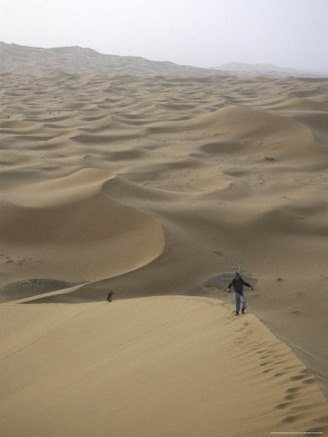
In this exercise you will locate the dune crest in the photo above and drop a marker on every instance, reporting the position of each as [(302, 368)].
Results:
[(176, 366), (71, 230)]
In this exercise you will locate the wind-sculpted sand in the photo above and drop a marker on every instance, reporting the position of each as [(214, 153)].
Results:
[(155, 366), (150, 186)]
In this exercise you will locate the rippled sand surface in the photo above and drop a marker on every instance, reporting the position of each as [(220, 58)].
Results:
[(151, 186)]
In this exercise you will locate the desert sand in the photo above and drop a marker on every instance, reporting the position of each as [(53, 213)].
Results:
[(159, 188)]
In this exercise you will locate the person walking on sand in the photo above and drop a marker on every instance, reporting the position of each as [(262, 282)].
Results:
[(238, 284)]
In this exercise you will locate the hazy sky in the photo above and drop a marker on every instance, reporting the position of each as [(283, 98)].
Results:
[(287, 33)]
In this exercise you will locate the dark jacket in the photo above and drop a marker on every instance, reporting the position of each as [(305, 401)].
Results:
[(238, 284)]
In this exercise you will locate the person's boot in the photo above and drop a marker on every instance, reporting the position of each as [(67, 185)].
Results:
[(243, 310)]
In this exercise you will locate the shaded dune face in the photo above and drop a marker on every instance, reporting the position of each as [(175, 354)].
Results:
[(71, 224)]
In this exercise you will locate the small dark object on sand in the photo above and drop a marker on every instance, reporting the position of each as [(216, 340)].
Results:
[(110, 296)]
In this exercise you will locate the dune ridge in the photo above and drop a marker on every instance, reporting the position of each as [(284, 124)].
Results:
[(84, 61), (71, 231), (150, 186), (178, 370)]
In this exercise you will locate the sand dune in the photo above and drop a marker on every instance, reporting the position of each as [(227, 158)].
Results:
[(150, 186), (178, 371), (78, 60), (74, 232)]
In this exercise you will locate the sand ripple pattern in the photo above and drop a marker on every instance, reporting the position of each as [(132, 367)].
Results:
[(150, 186)]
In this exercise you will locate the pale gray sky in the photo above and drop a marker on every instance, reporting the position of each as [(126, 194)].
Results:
[(205, 33)]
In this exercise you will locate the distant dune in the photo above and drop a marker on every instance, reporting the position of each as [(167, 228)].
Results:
[(243, 69), (83, 61), (158, 182)]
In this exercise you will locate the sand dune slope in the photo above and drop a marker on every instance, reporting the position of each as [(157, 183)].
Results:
[(185, 369), (68, 229), (150, 186)]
